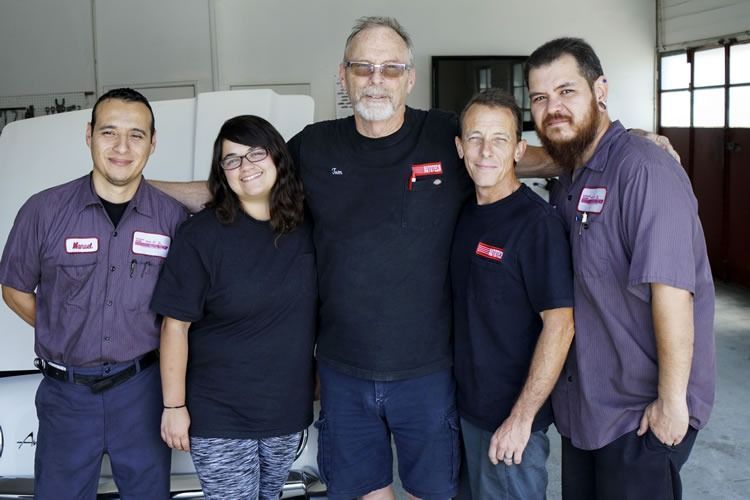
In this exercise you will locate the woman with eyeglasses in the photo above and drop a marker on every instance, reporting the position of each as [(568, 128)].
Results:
[(238, 294)]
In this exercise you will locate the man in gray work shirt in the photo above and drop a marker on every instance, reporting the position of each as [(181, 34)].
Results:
[(80, 265), (639, 379)]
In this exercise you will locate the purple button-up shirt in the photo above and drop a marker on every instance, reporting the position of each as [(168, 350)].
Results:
[(633, 220), (93, 281)]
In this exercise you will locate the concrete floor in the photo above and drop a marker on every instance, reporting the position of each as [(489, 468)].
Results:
[(719, 465)]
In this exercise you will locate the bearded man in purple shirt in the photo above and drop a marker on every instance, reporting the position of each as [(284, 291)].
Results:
[(639, 379), (80, 265)]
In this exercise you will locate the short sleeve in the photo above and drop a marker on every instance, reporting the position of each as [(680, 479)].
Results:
[(20, 267), (659, 219), (183, 284), (546, 265)]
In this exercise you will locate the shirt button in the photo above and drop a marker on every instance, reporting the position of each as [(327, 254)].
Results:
[(114, 234), (107, 370), (112, 269), (570, 197), (570, 378), (107, 339), (109, 302)]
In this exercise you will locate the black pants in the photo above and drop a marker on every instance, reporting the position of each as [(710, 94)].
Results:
[(631, 467)]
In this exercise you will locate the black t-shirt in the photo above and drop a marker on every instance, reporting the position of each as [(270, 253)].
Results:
[(252, 304), (510, 261), (383, 242)]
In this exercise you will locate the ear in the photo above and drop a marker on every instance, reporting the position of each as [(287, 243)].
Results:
[(520, 150), (153, 143), (601, 89), (88, 134), (412, 78), (342, 76), (459, 147)]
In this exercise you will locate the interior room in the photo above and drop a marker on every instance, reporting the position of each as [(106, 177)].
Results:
[(680, 68)]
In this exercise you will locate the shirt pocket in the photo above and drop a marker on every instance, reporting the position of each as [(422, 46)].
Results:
[(75, 282), (140, 280), (591, 247), (423, 204), (486, 280)]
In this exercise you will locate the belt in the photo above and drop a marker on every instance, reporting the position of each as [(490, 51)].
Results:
[(96, 383)]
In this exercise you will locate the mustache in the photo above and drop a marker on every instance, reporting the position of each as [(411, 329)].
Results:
[(556, 116), (375, 92)]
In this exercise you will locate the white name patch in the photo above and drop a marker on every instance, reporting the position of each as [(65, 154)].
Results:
[(592, 199), (154, 244), (81, 245)]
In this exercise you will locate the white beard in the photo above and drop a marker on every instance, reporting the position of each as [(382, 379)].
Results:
[(375, 112)]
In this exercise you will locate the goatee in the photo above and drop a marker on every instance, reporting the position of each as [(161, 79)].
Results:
[(569, 153)]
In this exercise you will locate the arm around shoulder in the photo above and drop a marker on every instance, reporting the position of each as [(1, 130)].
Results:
[(194, 194)]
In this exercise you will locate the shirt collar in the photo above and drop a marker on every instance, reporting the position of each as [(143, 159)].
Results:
[(141, 202), (599, 159)]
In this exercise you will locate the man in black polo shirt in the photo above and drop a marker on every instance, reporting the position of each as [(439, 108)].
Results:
[(512, 297)]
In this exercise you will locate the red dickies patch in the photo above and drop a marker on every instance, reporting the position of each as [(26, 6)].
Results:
[(489, 252)]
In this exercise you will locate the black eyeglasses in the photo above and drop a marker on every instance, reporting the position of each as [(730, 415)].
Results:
[(231, 162), (388, 70)]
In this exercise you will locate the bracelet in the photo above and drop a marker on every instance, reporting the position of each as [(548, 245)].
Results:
[(174, 407)]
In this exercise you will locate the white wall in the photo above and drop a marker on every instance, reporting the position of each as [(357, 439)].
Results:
[(45, 47), (267, 42), (277, 41)]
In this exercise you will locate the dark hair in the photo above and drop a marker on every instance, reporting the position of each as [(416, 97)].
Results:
[(286, 198), (127, 95), (494, 98), (369, 22), (588, 62)]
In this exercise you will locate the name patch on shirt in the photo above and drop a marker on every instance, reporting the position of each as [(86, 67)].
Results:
[(81, 245), (490, 252), (592, 199), (420, 169), (154, 244)]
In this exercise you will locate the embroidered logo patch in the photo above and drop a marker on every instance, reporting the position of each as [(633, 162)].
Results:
[(592, 199), (489, 252), (154, 244), (81, 245)]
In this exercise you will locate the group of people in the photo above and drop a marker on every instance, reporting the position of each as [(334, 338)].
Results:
[(438, 293)]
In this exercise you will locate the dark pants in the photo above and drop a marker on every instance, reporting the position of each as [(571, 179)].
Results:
[(631, 467), (76, 427)]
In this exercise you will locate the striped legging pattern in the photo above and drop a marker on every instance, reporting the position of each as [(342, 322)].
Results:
[(243, 468)]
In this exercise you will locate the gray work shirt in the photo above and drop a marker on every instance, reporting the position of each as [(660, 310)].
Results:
[(93, 281), (632, 220)]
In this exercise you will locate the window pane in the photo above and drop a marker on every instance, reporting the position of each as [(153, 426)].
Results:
[(739, 64), (709, 67), (675, 109), (518, 75), (709, 108), (675, 72), (739, 104)]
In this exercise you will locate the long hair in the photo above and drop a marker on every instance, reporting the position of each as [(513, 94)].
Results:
[(286, 199)]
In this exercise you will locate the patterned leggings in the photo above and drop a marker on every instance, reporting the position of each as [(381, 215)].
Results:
[(243, 468)]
